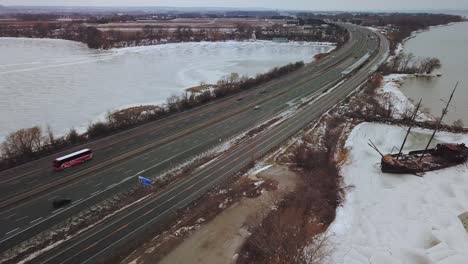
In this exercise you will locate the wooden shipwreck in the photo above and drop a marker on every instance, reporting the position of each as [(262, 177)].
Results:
[(429, 159)]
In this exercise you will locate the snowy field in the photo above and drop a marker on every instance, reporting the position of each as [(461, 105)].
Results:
[(399, 218), (64, 84)]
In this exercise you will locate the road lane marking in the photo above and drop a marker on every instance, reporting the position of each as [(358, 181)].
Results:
[(10, 216), (95, 193), (53, 197), (33, 221), (33, 181), (20, 176), (12, 231), (128, 171), (55, 211), (74, 202), (14, 182), (149, 211), (19, 219), (119, 169), (97, 185)]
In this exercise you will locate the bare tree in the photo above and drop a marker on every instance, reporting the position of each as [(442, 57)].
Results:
[(317, 251), (406, 60), (458, 124), (430, 64), (50, 139), (22, 142)]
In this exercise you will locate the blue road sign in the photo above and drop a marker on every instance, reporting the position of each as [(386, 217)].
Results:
[(145, 181)]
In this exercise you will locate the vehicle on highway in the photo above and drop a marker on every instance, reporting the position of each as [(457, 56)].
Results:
[(256, 107), (72, 159), (239, 99), (61, 202), (262, 91)]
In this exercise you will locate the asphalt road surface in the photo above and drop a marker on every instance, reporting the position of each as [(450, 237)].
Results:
[(149, 150)]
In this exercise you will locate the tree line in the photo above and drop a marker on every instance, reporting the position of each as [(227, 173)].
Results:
[(32, 143), (155, 34), (410, 64)]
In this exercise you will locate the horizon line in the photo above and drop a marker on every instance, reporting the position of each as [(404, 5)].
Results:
[(220, 8)]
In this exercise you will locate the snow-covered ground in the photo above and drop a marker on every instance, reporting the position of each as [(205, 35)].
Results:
[(399, 218)]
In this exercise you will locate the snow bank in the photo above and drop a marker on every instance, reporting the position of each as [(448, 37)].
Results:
[(390, 90), (399, 218)]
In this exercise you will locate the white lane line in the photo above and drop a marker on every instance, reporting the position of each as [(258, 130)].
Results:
[(19, 219), (33, 221), (95, 193), (76, 201), (8, 217), (120, 169), (31, 172), (12, 231), (13, 182), (53, 197), (128, 171), (145, 158), (97, 185), (56, 211), (33, 181)]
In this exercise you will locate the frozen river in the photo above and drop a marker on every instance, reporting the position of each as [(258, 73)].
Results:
[(64, 84)]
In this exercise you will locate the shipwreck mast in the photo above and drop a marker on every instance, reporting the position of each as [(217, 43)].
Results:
[(413, 117), (444, 112)]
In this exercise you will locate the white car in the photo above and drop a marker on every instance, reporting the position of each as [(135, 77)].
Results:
[(256, 107)]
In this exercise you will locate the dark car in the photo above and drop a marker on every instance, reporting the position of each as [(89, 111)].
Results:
[(61, 202)]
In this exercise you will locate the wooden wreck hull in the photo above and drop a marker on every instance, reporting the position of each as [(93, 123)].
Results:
[(410, 164), (405, 170)]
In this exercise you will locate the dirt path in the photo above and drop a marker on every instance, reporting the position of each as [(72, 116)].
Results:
[(219, 240)]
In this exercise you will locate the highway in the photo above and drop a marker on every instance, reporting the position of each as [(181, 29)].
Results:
[(151, 149)]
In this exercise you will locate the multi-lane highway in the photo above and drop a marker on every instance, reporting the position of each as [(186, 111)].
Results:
[(26, 192)]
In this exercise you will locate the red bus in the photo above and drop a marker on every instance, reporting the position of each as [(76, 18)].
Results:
[(72, 159)]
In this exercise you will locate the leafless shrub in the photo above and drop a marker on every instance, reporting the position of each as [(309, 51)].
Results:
[(458, 124), (318, 250)]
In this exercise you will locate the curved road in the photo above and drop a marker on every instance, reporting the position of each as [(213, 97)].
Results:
[(158, 146)]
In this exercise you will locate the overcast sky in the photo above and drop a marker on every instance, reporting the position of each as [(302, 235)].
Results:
[(280, 4)]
